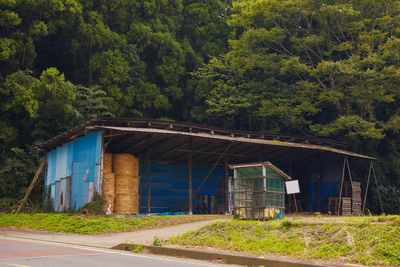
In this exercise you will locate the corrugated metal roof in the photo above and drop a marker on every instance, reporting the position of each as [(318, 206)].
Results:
[(239, 139), (167, 129)]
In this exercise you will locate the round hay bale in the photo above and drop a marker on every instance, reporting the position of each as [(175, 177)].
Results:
[(134, 190), (126, 184), (108, 186), (125, 164), (126, 204), (109, 196), (109, 200), (107, 163)]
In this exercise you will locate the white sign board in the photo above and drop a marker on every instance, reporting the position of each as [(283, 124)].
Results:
[(292, 187)]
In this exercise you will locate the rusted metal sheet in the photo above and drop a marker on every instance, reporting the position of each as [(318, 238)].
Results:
[(182, 127), (73, 171), (237, 139)]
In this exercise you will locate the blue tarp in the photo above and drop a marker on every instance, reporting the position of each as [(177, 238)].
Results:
[(327, 190), (169, 186)]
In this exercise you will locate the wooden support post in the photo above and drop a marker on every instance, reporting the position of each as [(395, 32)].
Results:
[(295, 203), (351, 185), (350, 177), (101, 176), (148, 174), (341, 185), (377, 189), (31, 186), (319, 178), (190, 170), (366, 188), (291, 174), (226, 186)]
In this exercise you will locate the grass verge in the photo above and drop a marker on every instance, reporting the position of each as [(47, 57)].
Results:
[(80, 224), (365, 240)]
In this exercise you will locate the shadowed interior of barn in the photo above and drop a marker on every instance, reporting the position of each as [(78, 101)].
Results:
[(184, 166)]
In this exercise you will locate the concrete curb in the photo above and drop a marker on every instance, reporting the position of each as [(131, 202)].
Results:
[(196, 254), (215, 256)]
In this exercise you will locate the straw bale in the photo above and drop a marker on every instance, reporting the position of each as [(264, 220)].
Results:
[(123, 179), (109, 200), (126, 204), (126, 184), (107, 163), (108, 188), (134, 190), (125, 164), (108, 183)]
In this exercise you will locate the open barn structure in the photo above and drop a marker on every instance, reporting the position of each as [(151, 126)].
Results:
[(183, 167)]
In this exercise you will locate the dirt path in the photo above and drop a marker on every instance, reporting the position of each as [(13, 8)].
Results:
[(110, 240)]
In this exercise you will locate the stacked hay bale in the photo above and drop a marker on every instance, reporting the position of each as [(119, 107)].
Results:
[(108, 181), (126, 170)]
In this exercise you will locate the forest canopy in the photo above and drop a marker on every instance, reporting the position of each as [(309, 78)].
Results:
[(327, 68)]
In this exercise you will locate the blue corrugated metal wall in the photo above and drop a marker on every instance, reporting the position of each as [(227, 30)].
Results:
[(327, 190), (328, 185), (79, 159), (169, 186)]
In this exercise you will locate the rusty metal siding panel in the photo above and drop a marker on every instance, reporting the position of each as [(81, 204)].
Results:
[(80, 160), (51, 167), (85, 167), (70, 149), (79, 186), (88, 149), (61, 162)]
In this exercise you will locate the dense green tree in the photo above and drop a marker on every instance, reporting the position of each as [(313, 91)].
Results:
[(322, 67), (24, 23), (65, 61), (328, 68)]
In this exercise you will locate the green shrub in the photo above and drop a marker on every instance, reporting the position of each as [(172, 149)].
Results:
[(285, 224), (390, 198), (157, 242), (6, 204), (137, 249), (96, 206)]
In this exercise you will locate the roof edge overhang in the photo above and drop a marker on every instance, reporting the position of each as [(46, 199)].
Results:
[(238, 139), (200, 131)]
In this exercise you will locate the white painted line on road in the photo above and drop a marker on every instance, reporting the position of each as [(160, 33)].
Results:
[(103, 251), (131, 254), (17, 265), (50, 256)]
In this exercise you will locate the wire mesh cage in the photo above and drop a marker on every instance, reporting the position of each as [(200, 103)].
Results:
[(259, 191)]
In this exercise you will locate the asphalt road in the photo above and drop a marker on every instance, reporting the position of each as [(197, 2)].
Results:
[(26, 253)]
